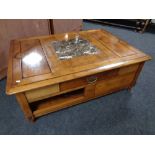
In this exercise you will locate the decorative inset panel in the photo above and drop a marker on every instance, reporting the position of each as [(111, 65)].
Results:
[(67, 49)]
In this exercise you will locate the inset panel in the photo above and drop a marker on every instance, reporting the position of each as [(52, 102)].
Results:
[(33, 59), (68, 49)]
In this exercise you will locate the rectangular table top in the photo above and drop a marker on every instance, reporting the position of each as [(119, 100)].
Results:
[(40, 61)]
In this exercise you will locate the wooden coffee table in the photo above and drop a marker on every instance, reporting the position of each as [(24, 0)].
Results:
[(45, 80)]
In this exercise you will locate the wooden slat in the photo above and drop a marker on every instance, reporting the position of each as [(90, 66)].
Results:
[(45, 43)]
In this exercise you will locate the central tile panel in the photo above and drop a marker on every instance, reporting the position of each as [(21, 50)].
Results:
[(74, 48)]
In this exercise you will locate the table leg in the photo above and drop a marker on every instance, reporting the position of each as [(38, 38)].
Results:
[(25, 106), (136, 75)]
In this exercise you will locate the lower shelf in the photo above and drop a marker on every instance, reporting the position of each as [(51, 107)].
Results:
[(55, 103), (63, 101)]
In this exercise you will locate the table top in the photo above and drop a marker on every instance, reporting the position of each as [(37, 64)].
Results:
[(40, 61)]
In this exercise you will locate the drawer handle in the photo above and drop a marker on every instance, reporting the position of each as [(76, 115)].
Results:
[(92, 79)]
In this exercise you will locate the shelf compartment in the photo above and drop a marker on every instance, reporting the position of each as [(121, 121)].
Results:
[(58, 102)]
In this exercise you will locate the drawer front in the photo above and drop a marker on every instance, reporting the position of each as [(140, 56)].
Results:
[(107, 75), (42, 93), (73, 84), (87, 80), (116, 83)]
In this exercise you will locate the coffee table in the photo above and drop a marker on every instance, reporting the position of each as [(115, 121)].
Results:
[(49, 73)]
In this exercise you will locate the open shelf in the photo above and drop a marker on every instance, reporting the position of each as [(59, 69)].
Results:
[(57, 102)]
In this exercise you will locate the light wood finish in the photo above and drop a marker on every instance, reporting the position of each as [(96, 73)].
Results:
[(41, 93), (128, 69), (50, 84), (121, 81), (136, 75), (57, 103)]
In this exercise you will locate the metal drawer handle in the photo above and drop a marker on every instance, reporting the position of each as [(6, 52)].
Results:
[(92, 79)]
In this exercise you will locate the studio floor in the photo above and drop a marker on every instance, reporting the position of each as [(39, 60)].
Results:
[(125, 112)]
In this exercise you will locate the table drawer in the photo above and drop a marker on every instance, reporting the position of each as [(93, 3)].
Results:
[(87, 80), (73, 84), (42, 93), (116, 83)]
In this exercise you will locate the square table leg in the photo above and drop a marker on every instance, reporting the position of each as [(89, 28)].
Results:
[(136, 76), (25, 106)]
